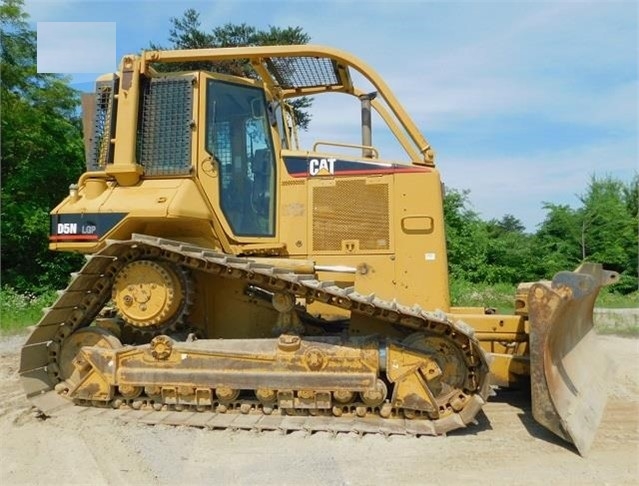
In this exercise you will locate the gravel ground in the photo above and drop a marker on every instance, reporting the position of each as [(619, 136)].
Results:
[(507, 446)]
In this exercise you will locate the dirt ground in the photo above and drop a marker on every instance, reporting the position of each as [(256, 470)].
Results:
[(506, 446)]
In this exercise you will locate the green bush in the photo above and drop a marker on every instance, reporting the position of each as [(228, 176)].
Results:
[(610, 298), (499, 296), (19, 310)]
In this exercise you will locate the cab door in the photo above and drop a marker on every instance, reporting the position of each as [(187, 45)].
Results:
[(237, 162)]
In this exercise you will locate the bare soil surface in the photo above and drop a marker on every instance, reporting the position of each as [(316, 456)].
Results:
[(507, 446)]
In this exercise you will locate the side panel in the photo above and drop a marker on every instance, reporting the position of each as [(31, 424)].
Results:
[(159, 207), (384, 220), (294, 214), (223, 309), (421, 264)]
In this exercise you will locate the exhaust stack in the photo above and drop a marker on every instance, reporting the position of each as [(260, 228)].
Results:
[(367, 133)]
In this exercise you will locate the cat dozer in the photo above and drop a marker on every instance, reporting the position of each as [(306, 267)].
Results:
[(235, 279)]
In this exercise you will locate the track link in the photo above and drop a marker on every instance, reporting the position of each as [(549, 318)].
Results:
[(90, 289)]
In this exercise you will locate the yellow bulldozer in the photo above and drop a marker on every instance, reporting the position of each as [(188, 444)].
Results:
[(236, 279)]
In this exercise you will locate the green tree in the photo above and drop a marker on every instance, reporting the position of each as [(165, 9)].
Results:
[(507, 224), (497, 251), (41, 150), (186, 33), (509, 252), (466, 238), (604, 228), (557, 241), (631, 196), (609, 227)]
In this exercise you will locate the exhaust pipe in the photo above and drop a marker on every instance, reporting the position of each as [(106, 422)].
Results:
[(367, 132)]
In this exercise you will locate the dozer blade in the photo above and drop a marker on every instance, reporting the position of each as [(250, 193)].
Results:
[(569, 375)]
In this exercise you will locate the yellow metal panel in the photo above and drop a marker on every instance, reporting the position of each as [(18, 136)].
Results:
[(421, 265), (493, 323), (124, 166), (507, 370), (188, 202), (293, 215)]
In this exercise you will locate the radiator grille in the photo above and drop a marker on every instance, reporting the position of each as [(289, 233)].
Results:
[(303, 72), (164, 137), (351, 210), (100, 146)]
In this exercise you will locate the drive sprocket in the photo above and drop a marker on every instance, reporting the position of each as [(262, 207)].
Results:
[(151, 296)]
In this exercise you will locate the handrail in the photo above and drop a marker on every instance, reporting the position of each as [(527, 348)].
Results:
[(347, 145)]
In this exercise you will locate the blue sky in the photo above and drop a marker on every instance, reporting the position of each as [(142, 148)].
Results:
[(522, 101)]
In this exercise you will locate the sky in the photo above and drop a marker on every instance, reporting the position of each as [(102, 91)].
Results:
[(523, 102)]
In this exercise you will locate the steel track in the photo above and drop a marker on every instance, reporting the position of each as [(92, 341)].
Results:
[(90, 289)]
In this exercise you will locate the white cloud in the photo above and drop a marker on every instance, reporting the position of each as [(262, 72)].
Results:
[(556, 60), (519, 185)]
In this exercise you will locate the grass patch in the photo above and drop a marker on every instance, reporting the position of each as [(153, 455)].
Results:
[(608, 299), (18, 311), (502, 297)]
